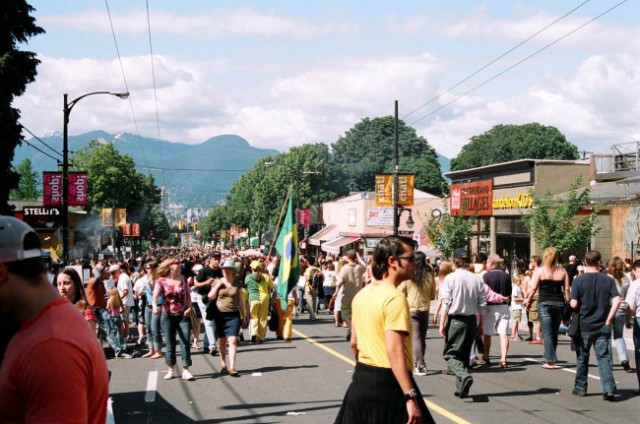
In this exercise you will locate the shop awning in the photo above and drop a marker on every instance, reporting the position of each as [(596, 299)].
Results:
[(327, 233), (334, 245)]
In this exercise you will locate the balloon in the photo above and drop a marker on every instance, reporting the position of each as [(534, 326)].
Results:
[(198, 233)]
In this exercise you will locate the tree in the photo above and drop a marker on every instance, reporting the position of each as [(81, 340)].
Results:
[(17, 69), (367, 149), (448, 232), (28, 185), (556, 222), (504, 143)]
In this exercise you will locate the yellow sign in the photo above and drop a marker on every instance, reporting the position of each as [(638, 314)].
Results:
[(522, 201), (384, 189), (108, 216)]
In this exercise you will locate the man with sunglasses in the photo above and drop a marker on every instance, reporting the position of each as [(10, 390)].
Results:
[(383, 389), (463, 297)]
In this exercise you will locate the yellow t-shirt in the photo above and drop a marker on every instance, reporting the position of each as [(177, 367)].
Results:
[(377, 308)]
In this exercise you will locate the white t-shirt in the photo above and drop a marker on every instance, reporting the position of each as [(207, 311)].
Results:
[(124, 282), (138, 287), (330, 278), (516, 291), (633, 297)]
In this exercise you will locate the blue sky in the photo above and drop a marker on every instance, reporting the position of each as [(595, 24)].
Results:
[(284, 73)]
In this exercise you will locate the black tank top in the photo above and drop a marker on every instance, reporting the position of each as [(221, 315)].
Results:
[(551, 290)]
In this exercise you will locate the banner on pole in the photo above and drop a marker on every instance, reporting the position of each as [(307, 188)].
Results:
[(52, 188)]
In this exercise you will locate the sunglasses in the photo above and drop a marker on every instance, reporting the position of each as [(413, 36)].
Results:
[(410, 258)]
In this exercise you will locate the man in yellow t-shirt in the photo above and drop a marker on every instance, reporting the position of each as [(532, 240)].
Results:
[(383, 389)]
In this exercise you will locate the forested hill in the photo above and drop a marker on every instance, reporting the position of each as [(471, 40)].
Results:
[(201, 188), (191, 188)]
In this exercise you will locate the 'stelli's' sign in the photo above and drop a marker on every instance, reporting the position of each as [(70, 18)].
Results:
[(472, 199)]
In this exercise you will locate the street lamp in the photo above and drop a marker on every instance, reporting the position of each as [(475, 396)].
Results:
[(67, 107)]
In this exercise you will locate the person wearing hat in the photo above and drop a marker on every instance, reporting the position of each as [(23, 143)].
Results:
[(463, 297), (54, 358), (258, 284), (230, 308)]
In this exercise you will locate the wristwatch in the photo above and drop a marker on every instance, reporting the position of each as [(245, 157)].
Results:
[(411, 395)]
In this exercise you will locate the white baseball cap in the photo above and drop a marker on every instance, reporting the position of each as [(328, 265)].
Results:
[(18, 241)]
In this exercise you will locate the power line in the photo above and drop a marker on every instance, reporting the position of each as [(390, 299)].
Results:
[(115, 41), (519, 62), (158, 168), (155, 91), (39, 139), (41, 151)]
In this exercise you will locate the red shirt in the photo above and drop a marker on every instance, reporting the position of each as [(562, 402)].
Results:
[(54, 370)]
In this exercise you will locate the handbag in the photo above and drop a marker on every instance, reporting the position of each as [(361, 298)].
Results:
[(273, 319), (567, 312)]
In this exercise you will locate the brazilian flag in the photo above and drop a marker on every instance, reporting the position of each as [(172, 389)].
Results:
[(287, 247)]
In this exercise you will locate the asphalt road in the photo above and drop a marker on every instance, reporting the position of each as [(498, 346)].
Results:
[(304, 381)]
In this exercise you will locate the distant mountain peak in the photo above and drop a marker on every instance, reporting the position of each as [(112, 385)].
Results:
[(229, 139)]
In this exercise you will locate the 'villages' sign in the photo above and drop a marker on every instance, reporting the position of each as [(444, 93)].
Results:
[(472, 199)]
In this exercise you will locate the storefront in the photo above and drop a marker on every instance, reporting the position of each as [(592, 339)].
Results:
[(496, 198)]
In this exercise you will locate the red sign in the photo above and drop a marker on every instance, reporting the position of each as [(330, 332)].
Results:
[(77, 188), (52, 188), (135, 229), (472, 199), (303, 217), (126, 230)]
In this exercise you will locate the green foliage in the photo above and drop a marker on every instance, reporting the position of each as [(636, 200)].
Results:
[(367, 149), (504, 143), (256, 198), (556, 223), (28, 186), (17, 69), (447, 232)]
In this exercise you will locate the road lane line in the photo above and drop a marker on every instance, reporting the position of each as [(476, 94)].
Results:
[(152, 384), (432, 406), (571, 370)]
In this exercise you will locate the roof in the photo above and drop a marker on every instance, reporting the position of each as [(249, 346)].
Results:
[(359, 195), (612, 191), (516, 163)]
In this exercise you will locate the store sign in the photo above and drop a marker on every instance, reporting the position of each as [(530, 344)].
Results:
[(107, 215), (372, 243), (384, 189), (303, 217), (472, 199), (49, 216), (520, 201), (380, 216)]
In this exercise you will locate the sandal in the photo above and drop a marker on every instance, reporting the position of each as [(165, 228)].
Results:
[(148, 354), (233, 373), (549, 366), (224, 370), (156, 356), (503, 364)]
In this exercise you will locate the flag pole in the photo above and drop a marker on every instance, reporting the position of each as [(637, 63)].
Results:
[(284, 207)]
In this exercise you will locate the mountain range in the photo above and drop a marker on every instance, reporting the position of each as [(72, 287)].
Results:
[(194, 175)]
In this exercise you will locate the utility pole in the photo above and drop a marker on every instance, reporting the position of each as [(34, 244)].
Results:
[(396, 214)]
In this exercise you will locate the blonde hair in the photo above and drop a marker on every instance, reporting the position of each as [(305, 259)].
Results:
[(446, 268), (114, 300), (164, 268), (550, 257)]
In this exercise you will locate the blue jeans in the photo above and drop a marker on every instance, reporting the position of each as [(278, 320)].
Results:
[(550, 317), (154, 335), (180, 325), (111, 331), (601, 341), (209, 326)]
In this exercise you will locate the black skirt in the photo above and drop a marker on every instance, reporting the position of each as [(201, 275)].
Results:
[(375, 396)]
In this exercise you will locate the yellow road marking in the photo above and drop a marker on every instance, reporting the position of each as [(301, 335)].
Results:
[(432, 406)]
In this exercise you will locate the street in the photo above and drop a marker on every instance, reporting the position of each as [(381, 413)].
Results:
[(304, 381)]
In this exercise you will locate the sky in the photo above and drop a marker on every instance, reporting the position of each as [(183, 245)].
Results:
[(286, 73)]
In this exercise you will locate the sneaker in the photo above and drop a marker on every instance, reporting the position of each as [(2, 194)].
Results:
[(609, 396), (625, 365), (170, 374), (125, 355), (577, 393), (214, 352), (186, 375), (515, 339), (466, 385), (420, 370)]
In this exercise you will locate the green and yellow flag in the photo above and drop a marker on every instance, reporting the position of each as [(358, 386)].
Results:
[(287, 247)]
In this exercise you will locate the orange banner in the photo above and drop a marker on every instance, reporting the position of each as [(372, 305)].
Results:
[(384, 189)]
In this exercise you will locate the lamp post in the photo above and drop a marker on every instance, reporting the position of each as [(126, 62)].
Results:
[(67, 107)]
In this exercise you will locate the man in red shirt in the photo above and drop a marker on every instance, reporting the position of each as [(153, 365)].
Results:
[(54, 369)]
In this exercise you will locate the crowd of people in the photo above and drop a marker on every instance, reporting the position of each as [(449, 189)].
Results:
[(155, 305)]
